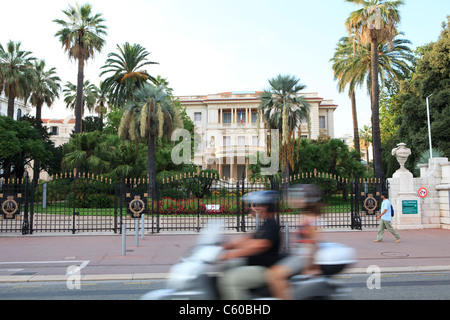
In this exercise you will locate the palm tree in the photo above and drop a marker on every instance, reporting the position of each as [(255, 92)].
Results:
[(46, 87), (87, 152), (342, 60), (149, 115), (352, 67), (45, 90), (283, 108), (16, 75), (88, 99), (81, 36), (127, 74), (366, 140), (375, 22), (102, 103)]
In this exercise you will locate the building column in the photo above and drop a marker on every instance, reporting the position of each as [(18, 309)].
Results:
[(231, 169)]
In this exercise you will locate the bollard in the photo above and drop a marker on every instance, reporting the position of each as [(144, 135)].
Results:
[(124, 231), (142, 226), (136, 231), (287, 236)]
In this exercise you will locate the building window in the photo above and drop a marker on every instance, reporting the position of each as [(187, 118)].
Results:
[(226, 171), (241, 172), (19, 114), (322, 122), (227, 117), (198, 118), (255, 141), (54, 131), (254, 116), (226, 141)]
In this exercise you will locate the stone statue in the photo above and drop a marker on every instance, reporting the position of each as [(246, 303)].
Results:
[(401, 153)]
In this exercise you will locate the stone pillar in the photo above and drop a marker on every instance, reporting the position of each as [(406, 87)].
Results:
[(443, 190), (431, 178), (404, 199)]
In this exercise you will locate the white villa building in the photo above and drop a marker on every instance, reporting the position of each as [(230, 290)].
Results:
[(20, 109), (226, 125)]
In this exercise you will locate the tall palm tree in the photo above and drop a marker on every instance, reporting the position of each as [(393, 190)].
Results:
[(102, 103), (45, 89), (366, 140), (81, 36), (283, 108), (16, 75), (127, 74), (352, 67), (88, 99), (375, 22), (343, 58), (149, 115)]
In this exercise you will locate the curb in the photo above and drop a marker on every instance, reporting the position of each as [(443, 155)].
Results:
[(399, 269), (160, 276)]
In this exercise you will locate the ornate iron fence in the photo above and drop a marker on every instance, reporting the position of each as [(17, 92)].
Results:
[(86, 203)]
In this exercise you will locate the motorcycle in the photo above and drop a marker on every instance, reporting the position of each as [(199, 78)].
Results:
[(195, 278)]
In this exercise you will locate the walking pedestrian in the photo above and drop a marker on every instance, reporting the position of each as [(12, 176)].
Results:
[(385, 217)]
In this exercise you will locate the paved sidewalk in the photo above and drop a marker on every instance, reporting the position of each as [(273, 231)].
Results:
[(49, 257)]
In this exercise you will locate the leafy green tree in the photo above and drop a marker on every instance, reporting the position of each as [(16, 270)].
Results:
[(81, 36), (431, 77), (16, 73), (376, 22), (20, 144)]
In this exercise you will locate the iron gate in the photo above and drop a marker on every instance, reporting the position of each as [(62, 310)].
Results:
[(86, 203)]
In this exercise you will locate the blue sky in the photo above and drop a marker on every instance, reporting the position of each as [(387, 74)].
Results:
[(210, 46)]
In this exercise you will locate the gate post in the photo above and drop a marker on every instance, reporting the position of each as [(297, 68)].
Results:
[(356, 219), (25, 224)]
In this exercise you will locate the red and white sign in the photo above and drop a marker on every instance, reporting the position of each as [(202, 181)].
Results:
[(423, 192)]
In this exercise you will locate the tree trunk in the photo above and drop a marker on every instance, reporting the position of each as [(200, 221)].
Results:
[(376, 134), (355, 126), (37, 164), (79, 104), (11, 105), (151, 164)]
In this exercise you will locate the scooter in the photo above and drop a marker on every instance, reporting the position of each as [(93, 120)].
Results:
[(195, 278)]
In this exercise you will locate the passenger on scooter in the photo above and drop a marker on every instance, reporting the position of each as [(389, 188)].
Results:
[(307, 198), (260, 250)]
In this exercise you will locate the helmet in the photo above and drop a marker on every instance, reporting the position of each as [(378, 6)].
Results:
[(310, 193), (268, 197)]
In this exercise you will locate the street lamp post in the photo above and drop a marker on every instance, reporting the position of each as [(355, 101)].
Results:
[(429, 128)]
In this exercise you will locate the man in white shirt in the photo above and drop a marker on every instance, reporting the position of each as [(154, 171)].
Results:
[(385, 219)]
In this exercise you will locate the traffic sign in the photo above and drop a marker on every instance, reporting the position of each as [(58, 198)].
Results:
[(423, 192)]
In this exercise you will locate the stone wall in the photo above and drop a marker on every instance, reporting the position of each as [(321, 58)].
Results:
[(432, 208)]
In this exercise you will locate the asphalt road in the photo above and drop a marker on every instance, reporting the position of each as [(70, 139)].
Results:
[(392, 286)]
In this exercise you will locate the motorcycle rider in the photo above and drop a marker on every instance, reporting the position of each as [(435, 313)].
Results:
[(307, 198), (260, 250)]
